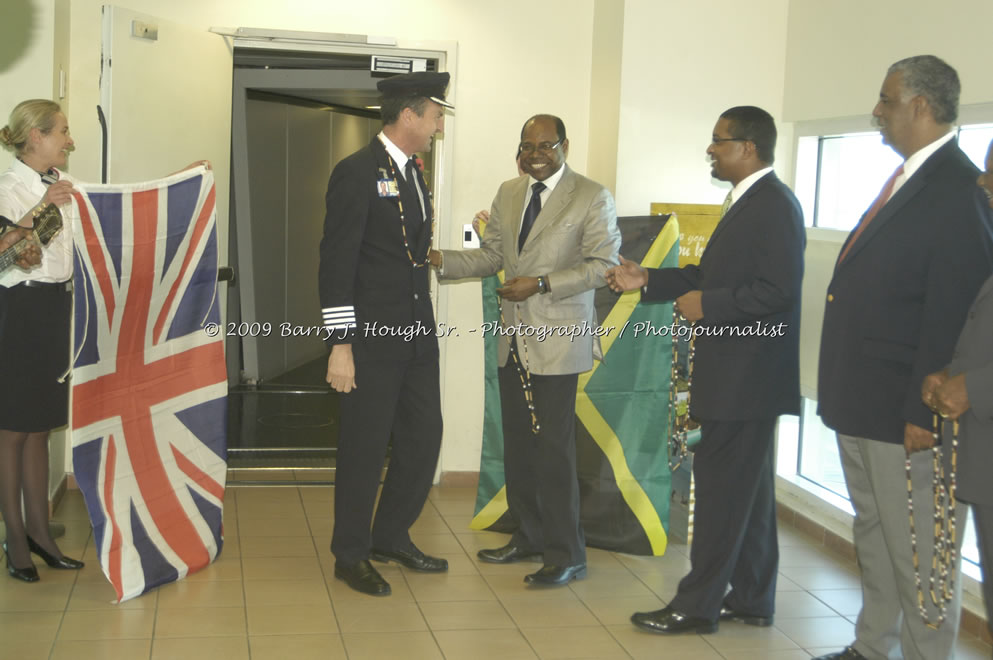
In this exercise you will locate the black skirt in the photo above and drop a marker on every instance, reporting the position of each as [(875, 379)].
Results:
[(34, 356)]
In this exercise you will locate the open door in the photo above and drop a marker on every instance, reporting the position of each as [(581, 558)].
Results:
[(165, 90)]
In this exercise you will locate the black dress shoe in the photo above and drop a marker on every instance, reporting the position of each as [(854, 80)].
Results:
[(730, 614), (554, 576), (362, 577), (669, 621), (412, 558), (847, 654), (29, 574), (63, 563), (508, 554)]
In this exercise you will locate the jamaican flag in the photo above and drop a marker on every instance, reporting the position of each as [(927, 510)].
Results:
[(622, 411)]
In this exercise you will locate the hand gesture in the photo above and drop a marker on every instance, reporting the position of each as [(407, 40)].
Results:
[(627, 277), (518, 288), (58, 193)]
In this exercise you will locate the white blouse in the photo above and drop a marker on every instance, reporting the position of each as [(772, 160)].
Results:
[(21, 189)]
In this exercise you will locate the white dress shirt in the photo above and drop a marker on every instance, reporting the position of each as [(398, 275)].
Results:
[(21, 189)]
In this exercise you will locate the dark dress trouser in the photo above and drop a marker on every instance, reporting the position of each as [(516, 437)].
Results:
[(540, 469), (394, 398), (734, 533)]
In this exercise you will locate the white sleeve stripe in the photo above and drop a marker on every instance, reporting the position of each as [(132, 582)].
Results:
[(345, 308), (339, 319)]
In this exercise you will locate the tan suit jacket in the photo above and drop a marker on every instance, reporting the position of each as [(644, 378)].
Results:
[(573, 242)]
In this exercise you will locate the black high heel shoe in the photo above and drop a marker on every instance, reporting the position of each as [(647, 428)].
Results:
[(63, 563), (29, 574)]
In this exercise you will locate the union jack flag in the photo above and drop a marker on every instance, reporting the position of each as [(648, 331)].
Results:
[(149, 394)]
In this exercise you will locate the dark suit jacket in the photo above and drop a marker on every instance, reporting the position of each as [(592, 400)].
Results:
[(750, 274), (897, 302), (364, 267), (974, 356)]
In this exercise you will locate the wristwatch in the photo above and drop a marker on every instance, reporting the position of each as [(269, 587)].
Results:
[(543, 284)]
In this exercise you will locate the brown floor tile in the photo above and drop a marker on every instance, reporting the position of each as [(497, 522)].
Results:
[(277, 546), (200, 648), (107, 624), (291, 619), (216, 593), (25, 648), (484, 645), (545, 614), (281, 568), (297, 647), (440, 586), (827, 631), (573, 643), (103, 649), (643, 645), (380, 615), (200, 622), (466, 615), (17, 596), (94, 595), (378, 646), (285, 592)]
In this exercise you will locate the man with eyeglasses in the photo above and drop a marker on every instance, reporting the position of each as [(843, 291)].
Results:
[(751, 271), (899, 295), (554, 233)]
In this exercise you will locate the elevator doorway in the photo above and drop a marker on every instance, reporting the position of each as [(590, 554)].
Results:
[(295, 113)]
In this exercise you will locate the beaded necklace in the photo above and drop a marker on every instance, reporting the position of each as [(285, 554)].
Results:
[(679, 420), (403, 225), (523, 372), (941, 583)]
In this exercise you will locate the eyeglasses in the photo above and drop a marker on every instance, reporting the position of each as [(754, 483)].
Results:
[(718, 140), (545, 147)]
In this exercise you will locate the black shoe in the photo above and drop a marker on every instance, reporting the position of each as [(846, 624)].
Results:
[(63, 563), (847, 654), (362, 577), (554, 576), (413, 559), (29, 574), (730, 614), (507, 554), (668, 621)]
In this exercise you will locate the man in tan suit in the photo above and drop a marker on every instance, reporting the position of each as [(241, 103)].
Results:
[(554, 233)]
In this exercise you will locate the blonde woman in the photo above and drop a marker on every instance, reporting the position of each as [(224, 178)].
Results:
[(35, 308)]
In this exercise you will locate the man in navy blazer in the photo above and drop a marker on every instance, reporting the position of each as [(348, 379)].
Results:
[(964, 391), (745, 300), (896, 302)]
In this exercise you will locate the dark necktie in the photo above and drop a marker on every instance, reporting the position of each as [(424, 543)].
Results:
[(884, 196), (534, 208), (417, 213)]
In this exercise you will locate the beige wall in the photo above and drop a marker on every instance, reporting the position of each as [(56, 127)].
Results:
[(683, 64), (838, 51), (27, 56)]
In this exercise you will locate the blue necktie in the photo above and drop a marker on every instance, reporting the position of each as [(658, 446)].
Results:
[(534, 208)]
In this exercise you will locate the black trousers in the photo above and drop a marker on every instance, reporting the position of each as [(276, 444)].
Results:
[(540, 469), (734, 530), (393, 399)]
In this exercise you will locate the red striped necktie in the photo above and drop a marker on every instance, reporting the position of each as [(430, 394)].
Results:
[(884, 196)]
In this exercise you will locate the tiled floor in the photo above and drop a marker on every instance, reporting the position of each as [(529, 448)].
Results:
[(272, 595)]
